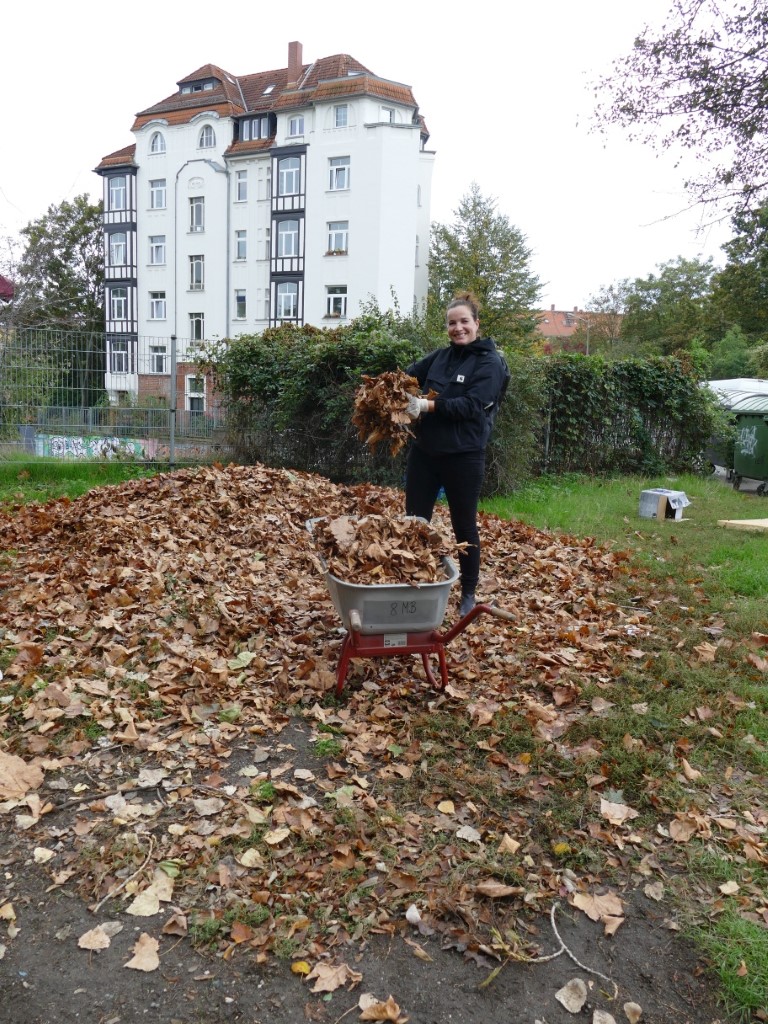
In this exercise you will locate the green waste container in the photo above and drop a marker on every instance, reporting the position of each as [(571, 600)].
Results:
[(747, 399), (750, 455)]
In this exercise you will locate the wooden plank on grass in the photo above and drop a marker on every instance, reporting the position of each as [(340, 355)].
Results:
[(744, 524)]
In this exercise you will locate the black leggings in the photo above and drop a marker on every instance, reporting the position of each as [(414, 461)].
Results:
[(462, 477)]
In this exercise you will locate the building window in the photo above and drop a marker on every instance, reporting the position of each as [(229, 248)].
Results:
[(241, 186), (117, 193), (296, 125), (118, 249), (387, 115), (195, 393), (288, 301), (338, 237), (417, 251), (341, 115), (157, 194), (118, 355), (157, 358), (197, 213), (196, 273), (288, 238), (207, 138), (196, 326), (339, 173), (263, 304), (288, 176), (157, 143), (157, 305), (418, 195), (336, 301), (241, 245), (254, 128), (157, 250), (240, 306), (118, 304)]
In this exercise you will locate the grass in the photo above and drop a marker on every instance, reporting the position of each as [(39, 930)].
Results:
[(23, 480), (706, 583)]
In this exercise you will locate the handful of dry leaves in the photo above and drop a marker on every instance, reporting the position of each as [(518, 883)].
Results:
[(380, 409), (378, 549)]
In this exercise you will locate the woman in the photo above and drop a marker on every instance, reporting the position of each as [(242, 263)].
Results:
[(452, 431)]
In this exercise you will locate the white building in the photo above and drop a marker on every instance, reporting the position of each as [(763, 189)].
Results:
[(290, 195)]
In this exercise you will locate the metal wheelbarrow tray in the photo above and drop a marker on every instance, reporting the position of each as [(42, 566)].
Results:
[(386, 619)]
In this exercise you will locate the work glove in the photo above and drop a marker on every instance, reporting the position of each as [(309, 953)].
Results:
[(416, 406)]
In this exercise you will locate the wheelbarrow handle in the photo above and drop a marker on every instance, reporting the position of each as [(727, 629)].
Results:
[(355, 621)]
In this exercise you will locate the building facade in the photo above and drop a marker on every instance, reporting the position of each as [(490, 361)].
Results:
[(293, 195)]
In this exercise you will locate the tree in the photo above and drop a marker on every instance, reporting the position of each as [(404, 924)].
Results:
[(60, 296), (483, 253), (60, 273), (605, 315), (700, 83), (666, 312), (740, 289)]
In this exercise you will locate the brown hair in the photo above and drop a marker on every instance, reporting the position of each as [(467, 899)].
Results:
[(467, 299)]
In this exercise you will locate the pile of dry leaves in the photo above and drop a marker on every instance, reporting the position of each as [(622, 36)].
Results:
[(378, 549), (380, 409), (172, 748)]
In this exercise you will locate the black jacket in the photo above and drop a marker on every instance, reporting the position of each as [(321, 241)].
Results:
[(470, 381)]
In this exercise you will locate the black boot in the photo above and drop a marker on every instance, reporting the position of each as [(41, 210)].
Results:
[(467, 604)]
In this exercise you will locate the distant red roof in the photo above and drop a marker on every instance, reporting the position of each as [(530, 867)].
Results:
[(6, 289)]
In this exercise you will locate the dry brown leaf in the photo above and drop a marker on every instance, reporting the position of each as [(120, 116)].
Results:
[(328, 977), (145, 954), (597, 908), (17, 777), (375, 1010)]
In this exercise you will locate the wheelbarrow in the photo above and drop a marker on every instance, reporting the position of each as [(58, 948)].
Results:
[(385, 620)]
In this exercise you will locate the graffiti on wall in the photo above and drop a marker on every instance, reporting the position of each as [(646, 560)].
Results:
[(63, 446)]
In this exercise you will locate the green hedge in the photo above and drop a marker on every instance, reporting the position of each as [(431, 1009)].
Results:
[(289, 396)]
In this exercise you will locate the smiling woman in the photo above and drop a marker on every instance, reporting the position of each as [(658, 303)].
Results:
[(452, 430)]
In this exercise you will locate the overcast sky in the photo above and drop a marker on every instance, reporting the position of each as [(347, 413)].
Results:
[(505, 90)]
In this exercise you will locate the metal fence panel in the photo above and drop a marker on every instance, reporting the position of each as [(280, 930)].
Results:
[(67, 395)]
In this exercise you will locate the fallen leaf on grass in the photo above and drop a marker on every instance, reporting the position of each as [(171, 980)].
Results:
[(17, 777), (145, 956), (496, 890), (729, 888), (328, 977), (616, 813), (375, 1010)]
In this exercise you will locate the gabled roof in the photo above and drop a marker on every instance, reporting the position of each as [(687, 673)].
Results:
[(120, 158)]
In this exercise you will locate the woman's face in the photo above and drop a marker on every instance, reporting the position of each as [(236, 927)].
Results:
[(461, 325)]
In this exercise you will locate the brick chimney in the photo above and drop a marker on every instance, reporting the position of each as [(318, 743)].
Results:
[(294, 64)]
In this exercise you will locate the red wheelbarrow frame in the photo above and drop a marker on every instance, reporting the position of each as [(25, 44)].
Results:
[(381, 645)]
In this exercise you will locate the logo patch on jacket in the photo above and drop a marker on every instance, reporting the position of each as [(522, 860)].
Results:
[(460, 378)]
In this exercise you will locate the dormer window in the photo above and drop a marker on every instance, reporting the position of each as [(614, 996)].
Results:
[(341, 115), (207, 138), (268, 90), (157, 143), (206, 86), (254, 128)]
